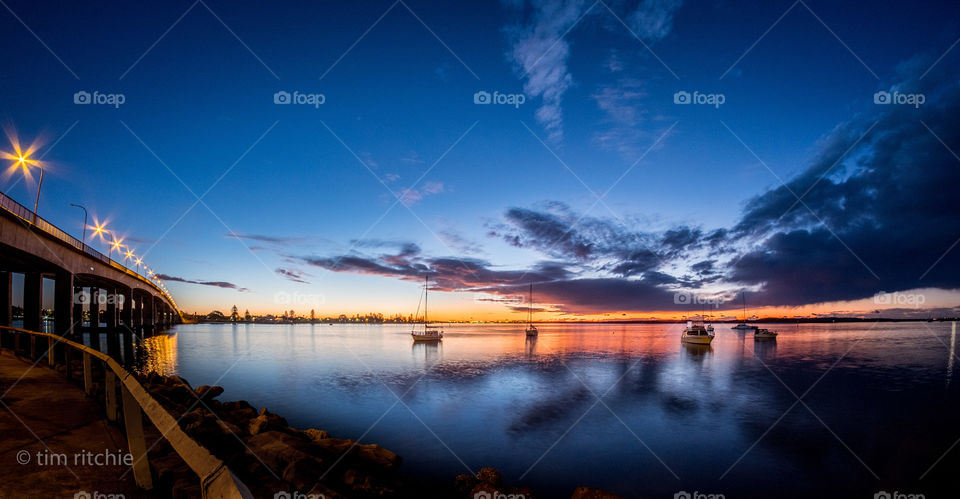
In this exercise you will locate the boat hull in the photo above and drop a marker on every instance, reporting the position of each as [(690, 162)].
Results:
[(421, 337), (696, 340)]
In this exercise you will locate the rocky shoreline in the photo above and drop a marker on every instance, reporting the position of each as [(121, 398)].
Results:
[(271, 457)]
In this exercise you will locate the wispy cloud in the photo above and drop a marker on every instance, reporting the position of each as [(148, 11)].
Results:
[(216, 284)]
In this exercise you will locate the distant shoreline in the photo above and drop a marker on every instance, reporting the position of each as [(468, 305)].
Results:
[(764, 320)]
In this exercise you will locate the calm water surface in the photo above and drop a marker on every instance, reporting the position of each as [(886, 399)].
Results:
[(625, 408)]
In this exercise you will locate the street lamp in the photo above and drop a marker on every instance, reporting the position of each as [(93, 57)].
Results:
[(115, 245), (22, 161), (83, 237)]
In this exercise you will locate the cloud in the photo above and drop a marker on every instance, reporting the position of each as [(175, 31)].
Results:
[(653, 19), (879, 220), (266, 239), (878, 213), (292, 274), (539, 54), (217, 284), (410, 197)]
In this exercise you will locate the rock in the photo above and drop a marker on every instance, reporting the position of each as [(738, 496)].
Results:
[(316, 434), (319, 490), (374, 454), (208, 393), (588, 493), (491, 476), (303, 473), (369, 454), (465, 482), (266, 422), (276, 449)]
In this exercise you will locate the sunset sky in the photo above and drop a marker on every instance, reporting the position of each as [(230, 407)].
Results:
[(789, 180)]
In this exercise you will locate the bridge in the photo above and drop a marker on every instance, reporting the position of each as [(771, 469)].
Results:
[(91, 292)]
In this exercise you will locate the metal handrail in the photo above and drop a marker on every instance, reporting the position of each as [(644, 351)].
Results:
[(28, 216), (217, 480)]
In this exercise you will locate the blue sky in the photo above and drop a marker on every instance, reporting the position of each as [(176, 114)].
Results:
[(399, 81)]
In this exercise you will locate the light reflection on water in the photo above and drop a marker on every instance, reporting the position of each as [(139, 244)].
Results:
[(669, 417)]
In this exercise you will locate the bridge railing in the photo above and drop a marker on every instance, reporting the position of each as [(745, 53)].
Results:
[(123, 393), (35, 220)]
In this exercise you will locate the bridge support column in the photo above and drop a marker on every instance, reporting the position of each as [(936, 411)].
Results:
[(126, 307), (138, 314), (149, 314), (110, 318), (81, 296), (32, 301), (94, 317), (6, 299), (64, 304)]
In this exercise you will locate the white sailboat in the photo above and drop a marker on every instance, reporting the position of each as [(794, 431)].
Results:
[(743, 325), (531, 329), (428, 333)]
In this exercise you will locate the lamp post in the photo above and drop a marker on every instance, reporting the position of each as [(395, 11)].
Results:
[(83, 236), (115, 245), (22, 160)]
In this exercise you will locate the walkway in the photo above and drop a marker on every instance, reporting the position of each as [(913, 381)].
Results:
[(49, 423)]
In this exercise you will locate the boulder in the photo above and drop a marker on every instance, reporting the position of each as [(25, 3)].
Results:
[(316, 434), (588, 493), (266, 422), (303, 473), (208, 393), (277, 449)]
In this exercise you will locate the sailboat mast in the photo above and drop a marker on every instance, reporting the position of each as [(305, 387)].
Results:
[(426, 286), (530, 306)]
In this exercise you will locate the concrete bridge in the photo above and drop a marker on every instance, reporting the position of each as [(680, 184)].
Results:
[(90, 291)]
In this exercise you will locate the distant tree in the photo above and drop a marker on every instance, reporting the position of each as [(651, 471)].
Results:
[(234, 315), (313, 315), (246, 316), (292, 314)]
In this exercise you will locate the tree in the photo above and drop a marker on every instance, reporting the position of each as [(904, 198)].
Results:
[(246, 316), (313, 315), (234, 315)]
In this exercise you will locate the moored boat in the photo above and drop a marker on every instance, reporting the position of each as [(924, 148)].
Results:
[(695, 333)]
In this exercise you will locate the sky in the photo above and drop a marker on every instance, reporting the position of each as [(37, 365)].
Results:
[(630, 159)]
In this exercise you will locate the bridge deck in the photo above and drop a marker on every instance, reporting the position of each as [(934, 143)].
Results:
[(42, 412)]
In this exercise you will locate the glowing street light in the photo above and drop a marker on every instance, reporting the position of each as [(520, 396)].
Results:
[(115, 245), (22, 161)]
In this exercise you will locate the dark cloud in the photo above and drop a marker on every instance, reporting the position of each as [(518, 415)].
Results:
[(218, 284), (292, 274), (878, 211), (266, 239), (879, 220)]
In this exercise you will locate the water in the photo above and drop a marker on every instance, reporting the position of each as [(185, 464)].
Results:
[(625, 408)]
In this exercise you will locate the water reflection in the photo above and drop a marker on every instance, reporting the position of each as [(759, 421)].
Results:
[(495, 397)]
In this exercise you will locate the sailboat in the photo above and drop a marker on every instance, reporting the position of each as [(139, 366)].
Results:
[(531, 329), (743, 325), (429, 333)]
